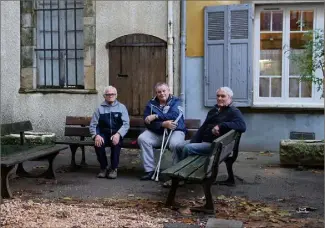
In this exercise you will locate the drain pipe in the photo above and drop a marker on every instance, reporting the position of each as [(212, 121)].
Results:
[(183, 58), (170, 43)]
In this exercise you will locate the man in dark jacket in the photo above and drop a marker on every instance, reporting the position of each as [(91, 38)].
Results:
[(222, 118), (109, 124), (160, 114)]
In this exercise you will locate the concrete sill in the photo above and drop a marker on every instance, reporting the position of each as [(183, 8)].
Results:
[(69, 91)]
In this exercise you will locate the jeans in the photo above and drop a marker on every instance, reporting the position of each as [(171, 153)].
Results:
[(186, 149)]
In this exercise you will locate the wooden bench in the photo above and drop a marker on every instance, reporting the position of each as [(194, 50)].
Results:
[(78, 126), (204, 169), (12, 155)]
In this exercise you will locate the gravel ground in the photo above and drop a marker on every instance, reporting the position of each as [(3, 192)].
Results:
[(45, 213)]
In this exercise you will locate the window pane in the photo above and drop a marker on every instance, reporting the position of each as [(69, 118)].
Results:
[(264, 87), (297, 40), (277, 19), (265, 21), (271, 54), (293, 87), (306, 89), (308, 20), (295, 19), (276, 87)]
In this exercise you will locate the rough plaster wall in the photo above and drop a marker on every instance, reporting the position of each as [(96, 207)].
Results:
[(10, 54), (118, 18), (264, 131), (46, 112)]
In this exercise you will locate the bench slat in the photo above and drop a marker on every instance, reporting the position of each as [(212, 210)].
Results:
[(198, 175), (193, 123), (30, 154), (180, 165), (191, 167), (16, 127), (77, 131), (77, 120)]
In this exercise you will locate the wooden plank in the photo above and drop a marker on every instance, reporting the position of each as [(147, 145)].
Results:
[(78, 120), (198, 175), (191, 167), (16, 127), (180, 165), (193, 123), (77, 131), (76, 142), (31, 154)]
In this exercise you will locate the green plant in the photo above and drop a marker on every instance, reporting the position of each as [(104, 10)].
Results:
[(310, 58)]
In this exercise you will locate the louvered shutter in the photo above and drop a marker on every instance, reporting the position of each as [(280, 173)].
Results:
[(228, 52)]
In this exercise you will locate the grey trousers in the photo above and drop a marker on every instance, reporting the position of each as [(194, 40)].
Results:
[(148, 140)]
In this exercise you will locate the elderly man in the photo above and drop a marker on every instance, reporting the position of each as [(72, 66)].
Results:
[(159, 114), (109, 124), (222, 118)]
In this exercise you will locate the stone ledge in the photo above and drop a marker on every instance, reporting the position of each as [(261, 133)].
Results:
[(216, 223), (302, 152), (30, 138), (70, 91)]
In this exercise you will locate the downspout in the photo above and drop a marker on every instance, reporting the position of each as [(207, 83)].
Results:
[(183, 58), (170, 45)]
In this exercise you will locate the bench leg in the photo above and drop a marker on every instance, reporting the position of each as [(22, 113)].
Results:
[(231, 179), (172, 192), (49, 173), (73, 164), (5, 189), (21, 171), (208, 208), (83, 158)]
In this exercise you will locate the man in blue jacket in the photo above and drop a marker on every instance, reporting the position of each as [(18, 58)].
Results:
[(159, 114), (109, 124)]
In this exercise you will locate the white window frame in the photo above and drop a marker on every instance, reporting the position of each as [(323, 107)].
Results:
[(285, 101)]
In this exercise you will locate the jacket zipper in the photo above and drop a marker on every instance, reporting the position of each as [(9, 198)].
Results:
[(110, 122)]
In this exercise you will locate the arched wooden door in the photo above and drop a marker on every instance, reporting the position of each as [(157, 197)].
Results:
[(136, 63)]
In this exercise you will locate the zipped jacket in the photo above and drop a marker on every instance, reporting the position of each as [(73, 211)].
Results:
[(170, 111), (109, 119), (230, 118)]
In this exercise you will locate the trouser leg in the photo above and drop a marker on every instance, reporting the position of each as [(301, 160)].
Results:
[(147, 141)]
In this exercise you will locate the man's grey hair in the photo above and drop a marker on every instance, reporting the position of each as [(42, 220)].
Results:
[(108, 88), (161, 84), (227, 90)]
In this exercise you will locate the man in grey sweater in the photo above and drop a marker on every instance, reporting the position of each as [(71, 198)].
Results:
[(109, 124)]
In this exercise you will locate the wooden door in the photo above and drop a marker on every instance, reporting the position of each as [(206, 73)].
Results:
[(136, 63)]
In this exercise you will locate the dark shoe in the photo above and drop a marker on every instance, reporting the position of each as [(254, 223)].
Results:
[(147, 176), (102, 173)]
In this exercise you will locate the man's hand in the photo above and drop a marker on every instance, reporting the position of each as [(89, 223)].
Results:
[(215, 130), (99, 141), (115, 139), (169, 124), (150, 118)]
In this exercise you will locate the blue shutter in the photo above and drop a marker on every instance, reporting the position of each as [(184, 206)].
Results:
[(215, 63), (228, 53), (240, 77)]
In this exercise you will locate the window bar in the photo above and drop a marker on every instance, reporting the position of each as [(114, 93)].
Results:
[(66, 43), (59, 52), (75, 41), (44, 43), (51, 43)]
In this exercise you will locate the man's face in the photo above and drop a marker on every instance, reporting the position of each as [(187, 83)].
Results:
[(223, 99), (162, 93), (110, 96)]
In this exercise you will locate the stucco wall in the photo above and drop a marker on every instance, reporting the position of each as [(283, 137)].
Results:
[(264, 130), (47, 112)]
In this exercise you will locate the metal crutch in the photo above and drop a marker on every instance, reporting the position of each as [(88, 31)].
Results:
[(164, 145)]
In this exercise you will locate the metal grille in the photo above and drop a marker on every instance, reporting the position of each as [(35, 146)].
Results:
[(60, 44)]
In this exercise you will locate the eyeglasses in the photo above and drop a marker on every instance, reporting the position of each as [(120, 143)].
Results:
[(222, 95), (110, 94)]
